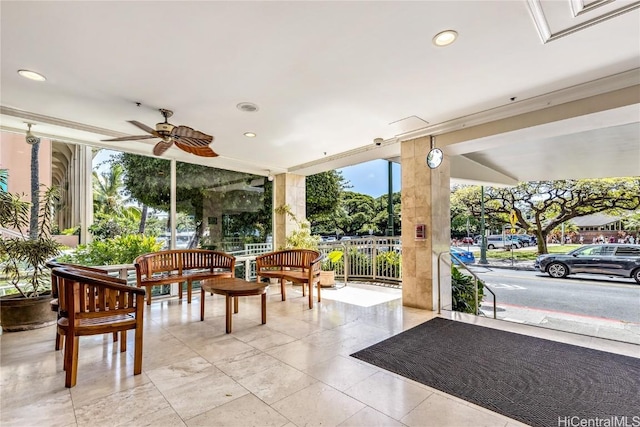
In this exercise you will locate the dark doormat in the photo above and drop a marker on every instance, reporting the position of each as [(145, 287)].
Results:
[(536, 381)]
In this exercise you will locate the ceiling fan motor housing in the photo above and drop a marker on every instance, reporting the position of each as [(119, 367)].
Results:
[(164, 128)]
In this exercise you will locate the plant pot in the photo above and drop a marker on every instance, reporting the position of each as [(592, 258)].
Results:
[(22, 314), (327, 278)]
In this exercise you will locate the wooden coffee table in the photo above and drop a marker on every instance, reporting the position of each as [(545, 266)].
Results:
[(233, 287)]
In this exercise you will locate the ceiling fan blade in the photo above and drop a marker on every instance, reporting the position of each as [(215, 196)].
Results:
[(130, 138), (143, 126), (205, 151), (161, 147), (187, 132), (193, 142)]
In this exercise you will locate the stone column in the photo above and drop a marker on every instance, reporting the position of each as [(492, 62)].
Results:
[(425, 201), (288, 189), (85, 164)]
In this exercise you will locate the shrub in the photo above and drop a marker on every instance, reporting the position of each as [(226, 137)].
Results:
[(119, 250), (388, 264), (462, 292)]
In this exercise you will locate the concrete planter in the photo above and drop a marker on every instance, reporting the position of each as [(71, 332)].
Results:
[(23, 314)]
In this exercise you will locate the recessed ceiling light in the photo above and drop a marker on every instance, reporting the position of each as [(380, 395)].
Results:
[(32, 75), (249, 134), (247, 107), (445, 38)]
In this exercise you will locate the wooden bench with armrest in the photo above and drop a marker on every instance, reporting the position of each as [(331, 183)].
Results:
[(181, 265), (295, 265)]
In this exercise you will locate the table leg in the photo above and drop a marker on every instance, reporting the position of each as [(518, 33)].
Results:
[(264, 308), (228, 312), (201, 304), (235, 304)]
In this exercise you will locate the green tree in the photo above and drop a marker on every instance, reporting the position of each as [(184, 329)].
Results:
[(323, 194), (355, 213), (381, 215), (541, 206)]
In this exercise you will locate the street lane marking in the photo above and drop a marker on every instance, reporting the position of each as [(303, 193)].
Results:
[(505, 286)]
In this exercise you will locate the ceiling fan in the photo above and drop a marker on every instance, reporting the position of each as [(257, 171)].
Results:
[(185, 138)]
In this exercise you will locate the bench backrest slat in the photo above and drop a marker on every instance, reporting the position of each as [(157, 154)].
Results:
[(179, 260), (288, 258)]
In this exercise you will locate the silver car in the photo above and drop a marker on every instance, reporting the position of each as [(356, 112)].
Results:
[(609, 259)]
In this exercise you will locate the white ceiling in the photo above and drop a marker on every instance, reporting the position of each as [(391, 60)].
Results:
[(328, 77)]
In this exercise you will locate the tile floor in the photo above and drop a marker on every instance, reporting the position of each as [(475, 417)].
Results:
[(293, 371)]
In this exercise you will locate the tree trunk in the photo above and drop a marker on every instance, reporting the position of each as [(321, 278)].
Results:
[(35, 191), (143, 219), (542, 243)]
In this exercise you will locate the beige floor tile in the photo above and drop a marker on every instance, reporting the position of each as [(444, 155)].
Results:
[(246, 411), (219, 349), (319, 405), (180, 373), (301, 355), (136, 406), (276, 382), (54, 409), (341, 372), (388, 394), (195, 397), (439, 411), (241, 367), (369, 417), (263, 337)]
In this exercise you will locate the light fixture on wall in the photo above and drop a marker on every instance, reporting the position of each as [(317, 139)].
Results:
[(29, 137), (269, 176), (435, 156)]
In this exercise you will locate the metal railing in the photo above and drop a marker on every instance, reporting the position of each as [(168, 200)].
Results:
[(475, 284), (374, 258)]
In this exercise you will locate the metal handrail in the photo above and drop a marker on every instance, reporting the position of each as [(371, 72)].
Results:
[(475, 282)]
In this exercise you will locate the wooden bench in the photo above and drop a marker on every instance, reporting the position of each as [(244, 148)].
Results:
[(294, 265), (181, 265)]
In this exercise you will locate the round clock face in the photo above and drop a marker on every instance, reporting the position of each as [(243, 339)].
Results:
[(434, 158)]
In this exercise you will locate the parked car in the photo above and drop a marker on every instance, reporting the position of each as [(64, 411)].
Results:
[(464, 256), (497, 241), (467, 240), (524, 239), (609, 259)]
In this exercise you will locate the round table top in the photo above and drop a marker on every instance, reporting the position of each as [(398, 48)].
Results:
[(233, 286)]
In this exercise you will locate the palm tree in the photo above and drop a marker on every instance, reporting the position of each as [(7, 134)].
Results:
[(107, 190), (34, 141)]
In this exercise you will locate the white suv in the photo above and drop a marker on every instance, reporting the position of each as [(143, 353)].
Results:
[(497, 241)]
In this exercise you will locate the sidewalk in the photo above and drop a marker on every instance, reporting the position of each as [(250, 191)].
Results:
[(579, 324)]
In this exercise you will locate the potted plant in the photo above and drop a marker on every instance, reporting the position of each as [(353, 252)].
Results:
[(22, 261), (301, 238), (328, 273)]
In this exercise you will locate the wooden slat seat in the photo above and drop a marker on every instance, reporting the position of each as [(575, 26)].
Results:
[(181, 265), (93, 303), (294, 265)]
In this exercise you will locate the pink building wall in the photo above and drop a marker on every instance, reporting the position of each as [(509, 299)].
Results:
[(15, 156)]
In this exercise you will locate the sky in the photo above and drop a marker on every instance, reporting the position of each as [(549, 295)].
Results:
[(371, 177)]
